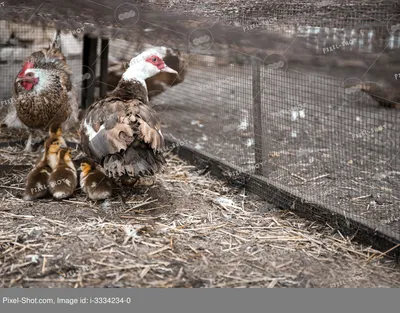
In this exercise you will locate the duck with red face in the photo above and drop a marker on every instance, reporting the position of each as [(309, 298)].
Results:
[(121, 131), (156, 84)]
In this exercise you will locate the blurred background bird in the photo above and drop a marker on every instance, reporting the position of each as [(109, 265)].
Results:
[(385, 95)]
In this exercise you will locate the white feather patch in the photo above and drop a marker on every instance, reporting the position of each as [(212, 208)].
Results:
[(11, 119), (59, 194), (90, 132), (52, 159), (159, 131), (102, 195)]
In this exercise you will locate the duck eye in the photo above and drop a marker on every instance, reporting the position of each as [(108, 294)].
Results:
[(154, 59)]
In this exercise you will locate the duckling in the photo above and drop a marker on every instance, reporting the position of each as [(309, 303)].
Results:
[(63, 180), (94, 182), (53, 145), (37, 180), (55, 130)]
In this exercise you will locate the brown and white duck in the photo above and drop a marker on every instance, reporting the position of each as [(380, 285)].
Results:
[(121, 131)]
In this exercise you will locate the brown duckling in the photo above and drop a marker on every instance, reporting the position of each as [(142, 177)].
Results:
[(63, 180), (55, 130), (54, 145), (94, 182), (37, 180)]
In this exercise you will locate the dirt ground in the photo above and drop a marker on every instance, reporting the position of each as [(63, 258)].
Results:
[(187, 230)]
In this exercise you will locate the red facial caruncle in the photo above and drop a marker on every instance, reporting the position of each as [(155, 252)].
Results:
[(27, 80), (160, 64), (156, 61)]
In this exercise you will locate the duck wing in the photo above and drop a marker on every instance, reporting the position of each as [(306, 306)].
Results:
[(123, 135)]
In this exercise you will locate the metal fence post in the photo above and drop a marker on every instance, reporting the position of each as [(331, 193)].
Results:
[(257, 120), (103, 67), (89, 61)]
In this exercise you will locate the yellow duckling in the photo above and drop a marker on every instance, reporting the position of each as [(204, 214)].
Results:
[(63, 180), (37, 180), (55, 130), (94, 182)]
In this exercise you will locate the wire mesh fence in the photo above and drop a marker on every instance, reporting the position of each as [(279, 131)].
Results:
[(303, 125), (292, 111)]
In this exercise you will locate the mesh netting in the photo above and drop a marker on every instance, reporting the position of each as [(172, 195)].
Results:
[(273, 89)]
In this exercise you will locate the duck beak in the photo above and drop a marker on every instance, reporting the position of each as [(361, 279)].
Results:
[(167, 69)]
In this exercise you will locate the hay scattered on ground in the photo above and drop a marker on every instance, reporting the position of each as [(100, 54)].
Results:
[(187, 230)]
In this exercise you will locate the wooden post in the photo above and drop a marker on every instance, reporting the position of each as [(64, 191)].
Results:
[(103, 67), (89, 67), (258, 134)]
